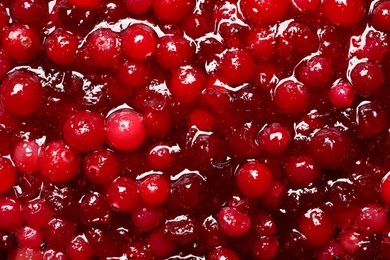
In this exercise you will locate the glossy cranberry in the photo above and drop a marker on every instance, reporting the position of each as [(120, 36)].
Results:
[(22, 93), (161, 245), (8, 174), (134, 74), (212, 234), (346, 13), (59, 232), (317, 226), (122, 194), (264, 224), (58, 162), (261, 40), (329, 147), (105, 47), (182, 229), (371, 44), (331, 251), (139, 250), (265, 247), (350, 240), (381, 15), (101, 167), (86, 3), (371, 219), (306, 6), (37, 213), (341, 95), (158, 123), (371, 119), (28, 253), (233, 222), (94, 210), (31, 12), (201, 119), (79, 248), (264, 11), (26, 156), (61, 47), (237, 67), (139, 42), (187, 83), (21, 42), (291, 98), (154, 190), (29, 237), (138, 6), (302, 170), (173, 51), (74, 18), (5, 64), (315, 72), (172, 11), (196, 25), (161, 157), (112, 11), (222, 253), (125, 130), (275, 138), (254, 179), (146, 217), (11, 216), (217, 95), (367, 78)]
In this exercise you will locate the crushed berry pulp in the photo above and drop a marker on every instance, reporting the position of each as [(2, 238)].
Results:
[(194, 129)]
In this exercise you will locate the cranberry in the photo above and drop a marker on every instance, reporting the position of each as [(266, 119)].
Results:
[(134, 74), (346, 13), (261, 40), (31, 12), (112, 11), (222, 253), (3, 17), (264, 224), (61, 47), (371, 44), (367, 78), (309, 6), (77, 19), (212, 234), (21, 42), (139, 250), (275, 139), (28, 253), (158, 123), (161, 246), (25, 156), (237, 67), (302, 170), (264, 11), (122, 194), (380, 15), (329, 147), (86, 3), (139, 42), (154, 190), (233, 222), (79, 248), (125, 130), (8, 175), (11, 216), (94, 210), (101, 167), (196, 25), (350, 240), (58, 162), (138, 6), (182, 229), (341, 95), (146, 217), (5, 65), (371, 219), (186, 84), (331, 251), (172, 11), (161, 157), (173, 51), (201, 119), (22, 93), (371, 119), (317, 227), (254, 179), (315, 72), (265, 247), (37, 213), (217, 95), (59, 232), (29, 237), (291, 97)]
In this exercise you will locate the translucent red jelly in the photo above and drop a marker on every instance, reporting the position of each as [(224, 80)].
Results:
[(194, 129)]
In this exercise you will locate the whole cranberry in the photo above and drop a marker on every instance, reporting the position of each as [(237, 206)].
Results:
[(29, 237), (344, 13), (31, 12), (237, 67), (138, 6), (173, 51), (133, 74), (187, 83), (154, 190), (331, 251), (371, 119), (233, 222), (341, 95), (139, 42), (172, 11), (101, 167), (59, 232), (367, 78), (11, 216), (315, 72), (94, 210), (122, 194), (222, 253), (381, 15), (254, 179), (274, 138), (79, 248), (61, 47), (26, 156), (8, 174), (91, 4), (291, 98), (37, 213), (302, 170), (265, 247), (161, 245), (264, 11), (147, 217)]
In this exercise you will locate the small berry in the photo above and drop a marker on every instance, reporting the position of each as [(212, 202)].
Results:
[(122, 194), (233, 222), (29, 237), (161, 157), (254, 179), (331, 251), (371, 119), (274, 138), (138, 6), (154, 190), (31, 12), (264, 11), (315, 72), (172, 11), (37, 213), (59, 232), (265, 247), (173, 51), (79, 248), (371, 219), (341, 95), (344, 13), (8, 175), (101, 167), (187, 83), (237, 67), (61, 47), (367, 78), (146, 217), (381, 15), (139, 42), (291, 98), (134, 74), (161, 245), (350, 240), (222, 253), (302, 170), (26, 156), (94, 210), (11, 216)]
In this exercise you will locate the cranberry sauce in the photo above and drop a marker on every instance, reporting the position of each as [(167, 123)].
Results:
[(194, 129)]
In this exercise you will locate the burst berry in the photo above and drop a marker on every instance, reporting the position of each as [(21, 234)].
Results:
[(233, 222)]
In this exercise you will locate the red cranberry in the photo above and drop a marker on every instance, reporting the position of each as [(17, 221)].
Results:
[(217, 95), (371, 219), (211, 233), (84, 131), (139, 42), (22, 93), (261, 40), (25, 156), (161, 245), (147, 218), (58, 162), (371, 119), (291, 97), (138, 6), (20, 42), (173, 51), (233, 222), (5, 64), (101, 167), (315, 72), (11, 216), (105, 48), (112, 11), (306, 6), (371, 44), (237, 67), (29, 237), (201, 119), (154, 190), (317, 227), (265, 247), (254, 179), (381, 15), (31, 12), (350, 240), (61, 47), (59, 232), (37, 213), (331, 251), (78, 19), (94, 210), (139, 250), (172, 11), (243, 142), (161, 157), (344, 13), (182, 229), (122, 194), (92, 4), (187, 83), (134, 74), (302, 170), (222, 253), (158, 123), (367, 78), (275, 139), (329, 147), (264, 224), (79, 248), (341, 95), (27, 253), (197, 25), (8, 175), (125, 130), (264, 11)]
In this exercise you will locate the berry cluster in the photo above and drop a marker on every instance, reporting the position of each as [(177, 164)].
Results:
[(194, 129)]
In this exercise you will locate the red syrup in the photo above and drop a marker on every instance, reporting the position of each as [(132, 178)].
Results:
[(194, 129)]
